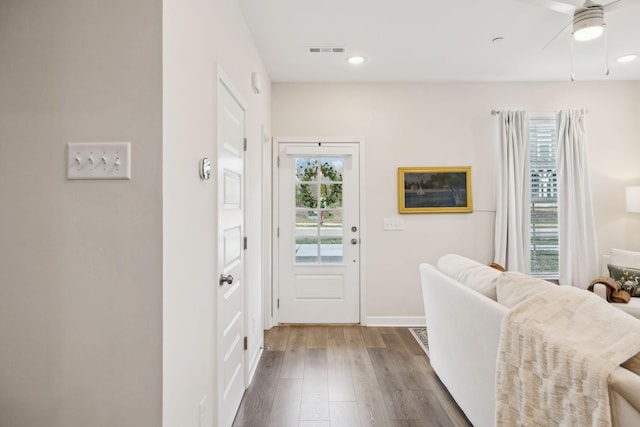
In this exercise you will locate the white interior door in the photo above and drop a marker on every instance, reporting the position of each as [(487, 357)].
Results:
[(231, 306), (319, 233)]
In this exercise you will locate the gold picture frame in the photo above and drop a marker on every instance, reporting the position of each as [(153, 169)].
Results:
[(435, 190)]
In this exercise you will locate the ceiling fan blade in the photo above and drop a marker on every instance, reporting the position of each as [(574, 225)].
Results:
[(557, 35), (617, 4), (558, 6)]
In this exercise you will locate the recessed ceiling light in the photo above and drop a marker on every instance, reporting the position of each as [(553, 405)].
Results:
[(628, 58), (355, 60)]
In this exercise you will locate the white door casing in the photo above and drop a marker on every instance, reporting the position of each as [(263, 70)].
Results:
[(231, 305), (267, 222), (319, 233)]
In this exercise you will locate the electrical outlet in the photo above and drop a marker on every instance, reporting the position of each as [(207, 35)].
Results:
[(203, 417), (393, 224)]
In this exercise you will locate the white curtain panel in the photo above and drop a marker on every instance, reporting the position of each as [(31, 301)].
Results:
[(578, 258), (513, 216)]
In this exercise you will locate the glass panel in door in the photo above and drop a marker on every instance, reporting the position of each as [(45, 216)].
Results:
[(318, 211)]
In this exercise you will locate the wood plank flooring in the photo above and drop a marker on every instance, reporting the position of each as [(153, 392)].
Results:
[(345, 376)]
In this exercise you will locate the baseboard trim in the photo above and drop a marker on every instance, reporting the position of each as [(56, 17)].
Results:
[(254, 362), (397, 321)]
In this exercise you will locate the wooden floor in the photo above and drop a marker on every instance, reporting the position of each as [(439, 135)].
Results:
[(345, 376)]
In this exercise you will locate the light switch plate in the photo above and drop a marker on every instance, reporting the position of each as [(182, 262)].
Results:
[(99, 160), (393, 224)]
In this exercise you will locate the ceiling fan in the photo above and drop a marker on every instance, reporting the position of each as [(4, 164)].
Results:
[(588, 19)]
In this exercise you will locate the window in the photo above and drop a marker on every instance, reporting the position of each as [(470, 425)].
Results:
[(543, 142), (319, 210)]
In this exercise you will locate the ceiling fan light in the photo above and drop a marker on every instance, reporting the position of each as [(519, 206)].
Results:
[(585, 34), (588, 25)]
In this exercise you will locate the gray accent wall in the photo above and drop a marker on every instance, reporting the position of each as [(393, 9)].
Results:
[(80, 261), (107, 288)]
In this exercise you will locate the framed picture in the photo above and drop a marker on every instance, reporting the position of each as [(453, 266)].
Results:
[(434, 190)]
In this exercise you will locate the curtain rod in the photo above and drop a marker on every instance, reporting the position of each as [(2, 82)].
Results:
[(496, 112)]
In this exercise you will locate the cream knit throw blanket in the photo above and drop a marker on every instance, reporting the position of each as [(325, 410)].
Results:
[(556, 352)]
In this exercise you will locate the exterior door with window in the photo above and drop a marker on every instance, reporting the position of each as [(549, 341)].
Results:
[(318, 222)]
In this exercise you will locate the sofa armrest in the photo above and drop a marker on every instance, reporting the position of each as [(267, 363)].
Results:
[(600, 290), (627, 385), (624, 396), (464, 333)]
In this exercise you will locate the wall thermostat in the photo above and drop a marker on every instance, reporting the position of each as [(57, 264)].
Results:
[(205, 168)]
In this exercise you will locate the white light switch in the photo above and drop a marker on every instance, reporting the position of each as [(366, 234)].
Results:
[(99, 160), (393, 224)]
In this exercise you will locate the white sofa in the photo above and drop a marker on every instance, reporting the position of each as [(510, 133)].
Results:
[(464, 323), (623, 258)]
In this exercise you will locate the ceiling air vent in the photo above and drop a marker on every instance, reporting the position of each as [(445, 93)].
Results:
[(326, 50)]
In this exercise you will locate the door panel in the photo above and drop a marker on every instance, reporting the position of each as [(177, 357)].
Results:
[(230, 325), (318, 247), (319, 287), (232, 246)]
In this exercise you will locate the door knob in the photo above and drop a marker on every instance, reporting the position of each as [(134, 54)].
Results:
[(354, 241), (226, 279)]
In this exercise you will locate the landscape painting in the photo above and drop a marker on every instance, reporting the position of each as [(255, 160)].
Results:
[(434, 189)]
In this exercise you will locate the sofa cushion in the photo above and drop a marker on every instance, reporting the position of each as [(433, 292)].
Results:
[(476, 276), (512, 288), (633, 364), (625, 258), (628, 278)]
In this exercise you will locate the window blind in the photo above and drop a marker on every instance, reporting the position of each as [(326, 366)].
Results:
[(544, 194)]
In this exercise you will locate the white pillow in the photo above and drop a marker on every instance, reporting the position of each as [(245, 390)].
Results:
[(625, 258), (478, 277), (513, 288)]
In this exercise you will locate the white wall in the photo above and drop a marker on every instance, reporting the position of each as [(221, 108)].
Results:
[(80, 261), (431, 124), (197, 37)]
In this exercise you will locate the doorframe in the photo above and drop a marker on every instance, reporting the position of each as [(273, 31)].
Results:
[(267, 233), (359, 142)]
